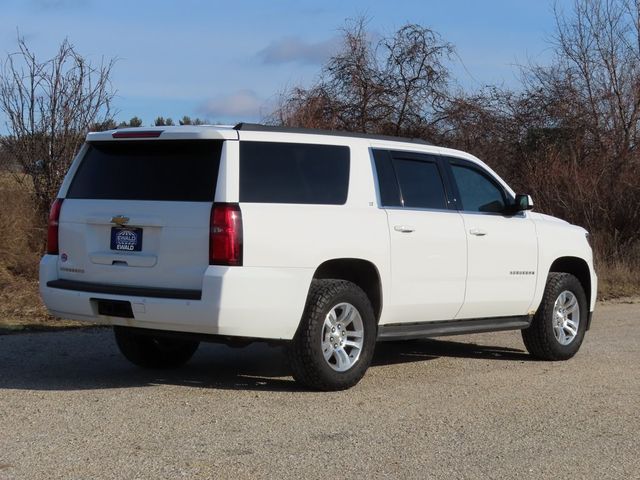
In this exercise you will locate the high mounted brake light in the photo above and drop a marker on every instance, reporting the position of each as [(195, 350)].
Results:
[(138, 134), (225, 235), (52, 227)]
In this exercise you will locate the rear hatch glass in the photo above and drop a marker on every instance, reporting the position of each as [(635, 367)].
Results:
[(148, 170)]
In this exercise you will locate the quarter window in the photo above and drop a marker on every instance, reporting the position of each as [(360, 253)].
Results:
[(387, 181), (477, 192), (272, 172)]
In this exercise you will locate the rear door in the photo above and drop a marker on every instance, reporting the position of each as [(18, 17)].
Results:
[(136, 213), (428, 244)]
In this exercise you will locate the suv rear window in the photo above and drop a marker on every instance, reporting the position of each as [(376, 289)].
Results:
[(420, 183), (167, 170), (273, 172), (409, 179)]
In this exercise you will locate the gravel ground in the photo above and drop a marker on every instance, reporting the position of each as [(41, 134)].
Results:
[(463, 407)]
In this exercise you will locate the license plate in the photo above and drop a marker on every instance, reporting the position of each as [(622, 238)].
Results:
[(126, 239)]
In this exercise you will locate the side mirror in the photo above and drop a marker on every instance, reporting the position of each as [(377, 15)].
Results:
[(523, 202), (520, 204)]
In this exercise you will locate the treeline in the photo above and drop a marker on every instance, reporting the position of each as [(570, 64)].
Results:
[(49, 106), (568, 134), (111, 124)]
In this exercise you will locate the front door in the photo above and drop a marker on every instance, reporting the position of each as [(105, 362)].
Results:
[(502, 249)]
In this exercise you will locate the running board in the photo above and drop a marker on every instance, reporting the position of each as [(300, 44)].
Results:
[(405, 331)]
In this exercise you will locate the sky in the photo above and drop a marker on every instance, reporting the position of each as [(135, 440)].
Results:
[(228, 61)]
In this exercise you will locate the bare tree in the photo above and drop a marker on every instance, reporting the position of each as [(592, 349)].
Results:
[(396, 85), (593, 90), (416, 78), (49, 106), (353, 79), (570, 134), (313, 108), (598, 57)]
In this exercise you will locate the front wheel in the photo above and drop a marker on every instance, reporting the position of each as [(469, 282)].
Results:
[(559, 325), (334, 344), (151, 351)]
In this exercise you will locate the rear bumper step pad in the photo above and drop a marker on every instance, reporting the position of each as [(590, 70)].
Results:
[(174, 293)]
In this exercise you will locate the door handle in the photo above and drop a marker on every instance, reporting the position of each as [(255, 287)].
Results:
[(404, 228), (478, 232)]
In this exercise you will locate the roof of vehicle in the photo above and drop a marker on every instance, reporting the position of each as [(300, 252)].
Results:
[(230, 132), (257, 127), (180, 132)]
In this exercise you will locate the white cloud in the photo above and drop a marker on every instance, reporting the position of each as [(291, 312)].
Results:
[(294, 49), (240, 104)]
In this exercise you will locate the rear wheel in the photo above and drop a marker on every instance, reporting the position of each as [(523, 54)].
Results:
[(334, 344), (559, 325), (151, 351)]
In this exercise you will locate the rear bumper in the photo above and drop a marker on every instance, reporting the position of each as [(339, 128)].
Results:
[(254, 302), (174, 293)]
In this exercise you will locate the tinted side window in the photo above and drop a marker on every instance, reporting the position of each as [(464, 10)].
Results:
[(477, 192), (420, 183), (167, 170), (387, 182), (273, 172)]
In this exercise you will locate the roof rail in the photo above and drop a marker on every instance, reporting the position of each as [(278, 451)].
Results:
[(258, 127)]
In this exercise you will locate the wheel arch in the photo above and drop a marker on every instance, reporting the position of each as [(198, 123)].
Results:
[(363, 273), (577, 267)]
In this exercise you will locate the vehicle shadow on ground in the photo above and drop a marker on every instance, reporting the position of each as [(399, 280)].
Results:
[(88, 359), (425, 349)]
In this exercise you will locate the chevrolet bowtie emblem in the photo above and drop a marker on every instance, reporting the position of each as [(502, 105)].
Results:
[(120, 220)]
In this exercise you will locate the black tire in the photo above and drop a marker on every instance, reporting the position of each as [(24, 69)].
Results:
[(150, 351), (305, 351), (539, 337)]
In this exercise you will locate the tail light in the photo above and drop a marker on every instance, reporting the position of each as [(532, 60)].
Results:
[(52, 228), (225, 235)]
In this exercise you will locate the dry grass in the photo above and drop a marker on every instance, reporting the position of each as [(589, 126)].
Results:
[(22, 241), (617, 280), (20, 232), (618, 268)]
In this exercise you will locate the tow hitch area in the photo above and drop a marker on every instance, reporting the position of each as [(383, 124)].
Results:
[(114, 308)]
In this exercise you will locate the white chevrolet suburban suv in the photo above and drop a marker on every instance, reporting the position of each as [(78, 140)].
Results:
[(326, 242)]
